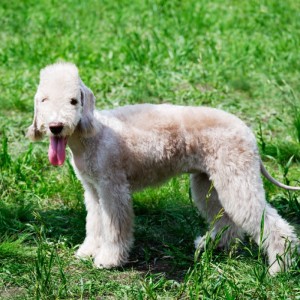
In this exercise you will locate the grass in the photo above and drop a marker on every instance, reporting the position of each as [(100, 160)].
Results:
[(240, 56)]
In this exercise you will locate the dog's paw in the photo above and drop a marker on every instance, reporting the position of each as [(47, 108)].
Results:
[(109, 257), (275, 268), (87, 249)]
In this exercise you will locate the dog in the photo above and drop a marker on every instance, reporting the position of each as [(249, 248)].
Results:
[(116, 152)]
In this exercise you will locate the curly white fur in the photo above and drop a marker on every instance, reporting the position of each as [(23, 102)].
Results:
[(120, 151)]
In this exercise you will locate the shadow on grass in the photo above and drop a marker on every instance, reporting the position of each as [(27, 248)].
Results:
[(64, 223), (164, 240), (164, 237)]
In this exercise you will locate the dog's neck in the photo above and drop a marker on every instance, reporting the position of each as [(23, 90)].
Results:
[(77, 147), (77, 141), (76, 144), (80, 143)]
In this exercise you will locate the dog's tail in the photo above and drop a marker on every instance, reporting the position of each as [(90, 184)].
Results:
[(274, 181)]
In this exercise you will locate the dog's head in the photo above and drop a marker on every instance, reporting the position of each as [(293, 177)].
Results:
[(62, 105)]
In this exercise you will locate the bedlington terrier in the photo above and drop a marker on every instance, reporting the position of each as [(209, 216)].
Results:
[(116, 152)]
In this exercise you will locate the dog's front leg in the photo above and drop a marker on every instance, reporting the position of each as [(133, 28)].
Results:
[(117, 222), (93, 224)]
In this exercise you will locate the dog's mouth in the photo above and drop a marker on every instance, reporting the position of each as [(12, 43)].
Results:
[(57, 150)]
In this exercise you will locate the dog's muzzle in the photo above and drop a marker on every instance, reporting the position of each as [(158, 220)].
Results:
[(56, 128)]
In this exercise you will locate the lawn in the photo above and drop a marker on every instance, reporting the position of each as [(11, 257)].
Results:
[(240, 56)]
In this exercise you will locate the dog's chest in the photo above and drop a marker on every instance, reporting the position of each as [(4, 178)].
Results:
[(79, 164)]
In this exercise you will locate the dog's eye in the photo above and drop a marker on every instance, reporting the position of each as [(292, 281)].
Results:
[(44, 99), (74, 101)]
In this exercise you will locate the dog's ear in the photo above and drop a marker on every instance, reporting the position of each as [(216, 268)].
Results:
[(88, 125), (32, 132)]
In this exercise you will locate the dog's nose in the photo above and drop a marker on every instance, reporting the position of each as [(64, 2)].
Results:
[(56, 128)]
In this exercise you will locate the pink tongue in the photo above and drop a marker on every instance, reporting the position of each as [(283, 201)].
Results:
[(57, 150)]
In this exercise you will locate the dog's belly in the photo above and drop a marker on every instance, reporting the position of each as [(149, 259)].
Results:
[(156, 175), (143, 180)]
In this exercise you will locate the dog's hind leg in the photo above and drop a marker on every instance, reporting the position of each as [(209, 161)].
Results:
[(242, 196), (206, 199)]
